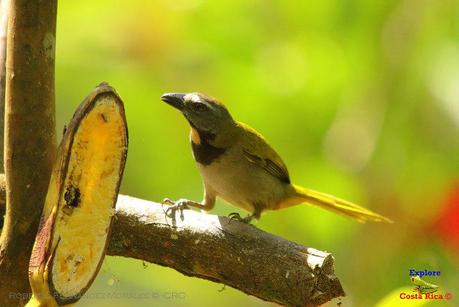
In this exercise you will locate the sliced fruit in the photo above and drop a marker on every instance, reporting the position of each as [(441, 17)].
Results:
[(77, 216)]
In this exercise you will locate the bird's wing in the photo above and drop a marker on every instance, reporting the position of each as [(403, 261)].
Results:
[(258, 151)]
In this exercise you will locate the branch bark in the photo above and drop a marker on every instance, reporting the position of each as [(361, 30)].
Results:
[(4, 6), (229, 252), (29, 135)]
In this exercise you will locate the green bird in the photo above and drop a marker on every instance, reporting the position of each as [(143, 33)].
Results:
[(238, 165), (422, 286)]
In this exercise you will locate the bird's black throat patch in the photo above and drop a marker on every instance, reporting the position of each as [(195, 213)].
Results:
[(204, 152)]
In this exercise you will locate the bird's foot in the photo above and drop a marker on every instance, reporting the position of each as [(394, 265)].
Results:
[(236, 216), (175, 206)]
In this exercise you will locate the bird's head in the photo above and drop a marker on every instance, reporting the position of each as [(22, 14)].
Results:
[(415, 279), (204, 113)]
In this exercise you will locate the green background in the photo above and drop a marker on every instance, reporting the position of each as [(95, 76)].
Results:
[(360, 98)]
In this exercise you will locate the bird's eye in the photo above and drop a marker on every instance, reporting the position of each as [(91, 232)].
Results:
[(199, 107)]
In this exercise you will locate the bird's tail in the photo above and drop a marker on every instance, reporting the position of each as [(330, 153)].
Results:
[(337, 205)]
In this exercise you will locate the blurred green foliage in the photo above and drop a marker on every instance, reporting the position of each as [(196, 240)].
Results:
[(360, 98)]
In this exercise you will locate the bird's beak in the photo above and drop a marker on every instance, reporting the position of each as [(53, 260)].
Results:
[(174, 99)]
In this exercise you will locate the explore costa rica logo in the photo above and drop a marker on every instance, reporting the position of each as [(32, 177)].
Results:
[(424, 289)]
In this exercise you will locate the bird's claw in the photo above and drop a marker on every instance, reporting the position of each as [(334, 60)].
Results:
[(179, 205), (236, 216)]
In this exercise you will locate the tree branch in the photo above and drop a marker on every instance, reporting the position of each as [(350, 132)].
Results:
[(29, 135), (215, 248), (229, 252), (4, 6)]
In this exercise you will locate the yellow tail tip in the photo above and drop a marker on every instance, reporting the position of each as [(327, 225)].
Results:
[(339, 206)]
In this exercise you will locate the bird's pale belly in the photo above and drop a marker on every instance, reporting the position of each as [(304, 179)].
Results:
[(242, 183)]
